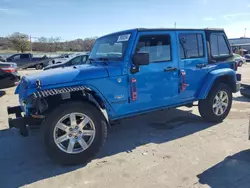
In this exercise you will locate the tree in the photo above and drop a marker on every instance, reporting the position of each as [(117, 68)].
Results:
[(42, 40), (54, 42), (41, 44), (48, 44), (88, 43), (4, 43), (19, 41)]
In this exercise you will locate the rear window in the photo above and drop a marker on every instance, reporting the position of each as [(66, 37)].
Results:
[(219, 47), (24, 56)]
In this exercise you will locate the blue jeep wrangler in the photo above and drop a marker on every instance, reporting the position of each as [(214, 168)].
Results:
[(128, 73)]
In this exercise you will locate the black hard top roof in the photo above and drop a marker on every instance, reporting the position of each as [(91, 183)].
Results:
[(179, 29), (209, 30)]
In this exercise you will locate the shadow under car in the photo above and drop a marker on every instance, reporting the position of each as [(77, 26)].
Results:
[(23, 160)]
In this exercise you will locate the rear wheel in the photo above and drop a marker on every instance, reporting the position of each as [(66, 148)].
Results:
[(217, 105), (74, 132), (39, 67)]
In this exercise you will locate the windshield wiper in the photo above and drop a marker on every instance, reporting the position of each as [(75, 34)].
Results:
[(104, 60)]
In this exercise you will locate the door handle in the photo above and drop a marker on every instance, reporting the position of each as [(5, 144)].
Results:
[(169, 69), (201, 65)]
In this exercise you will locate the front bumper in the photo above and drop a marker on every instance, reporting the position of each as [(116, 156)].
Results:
[(21, 122), (245, 90)]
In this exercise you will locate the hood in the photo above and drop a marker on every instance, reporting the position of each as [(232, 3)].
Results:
[(66, 75)]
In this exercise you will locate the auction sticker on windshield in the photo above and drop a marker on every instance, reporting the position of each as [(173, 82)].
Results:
[(122, 38)]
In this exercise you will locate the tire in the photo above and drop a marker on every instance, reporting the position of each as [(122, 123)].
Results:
[(78, 155), (206, 106), (39, 67), (240, 64), (245, 92)]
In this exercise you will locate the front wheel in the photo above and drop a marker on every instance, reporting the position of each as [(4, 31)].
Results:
[(240, 64), (74, 132), (217, 105)]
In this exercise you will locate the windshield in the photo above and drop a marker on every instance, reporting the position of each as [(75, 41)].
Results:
[(112, 47)]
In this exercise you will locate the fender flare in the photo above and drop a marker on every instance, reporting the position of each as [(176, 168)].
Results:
[(211, 79), (90, 92)]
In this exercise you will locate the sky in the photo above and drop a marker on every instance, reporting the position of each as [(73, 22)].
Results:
[(72, 19)]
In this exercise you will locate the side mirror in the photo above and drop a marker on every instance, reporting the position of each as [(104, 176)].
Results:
[(141, 58)]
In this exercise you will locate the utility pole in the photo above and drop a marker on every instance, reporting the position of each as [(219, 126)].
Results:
[(30, 44)]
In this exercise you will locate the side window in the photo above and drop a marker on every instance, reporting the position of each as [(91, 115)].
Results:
[(191, 46), (76, 60), (16, 57), (223, 48), (214, 45), (24, 56), (200, 45), (219, 45), (84, 58), (158, 47)]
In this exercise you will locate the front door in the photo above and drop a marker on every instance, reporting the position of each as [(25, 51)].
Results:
[(21, 59), (193, 60), (156, 84), (25, 59)]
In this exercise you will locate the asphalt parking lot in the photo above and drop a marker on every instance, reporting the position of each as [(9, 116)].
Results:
[(170, 148)]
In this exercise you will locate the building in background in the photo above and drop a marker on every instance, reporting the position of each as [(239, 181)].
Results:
[(240, 45)]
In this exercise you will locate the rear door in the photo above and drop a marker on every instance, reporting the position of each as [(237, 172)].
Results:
[(193, 61)]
